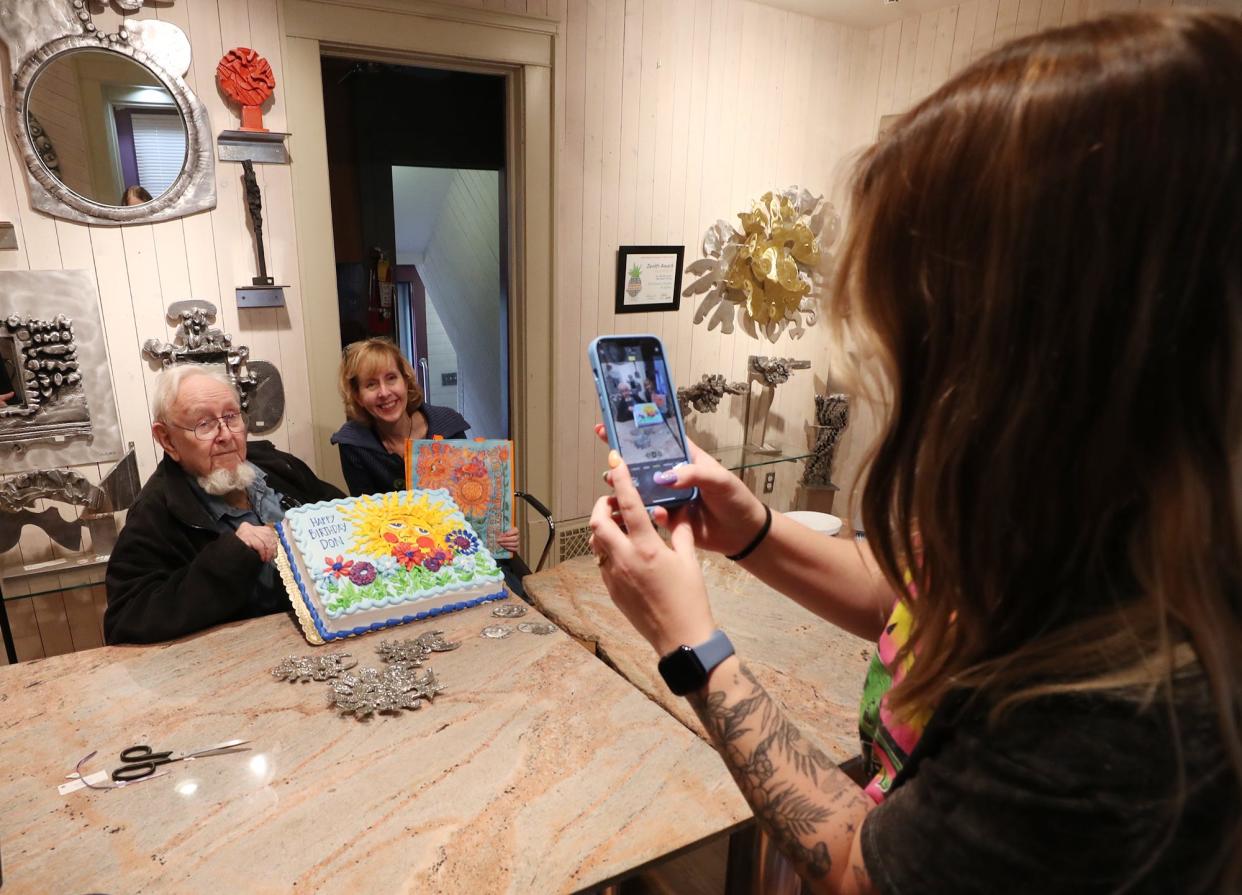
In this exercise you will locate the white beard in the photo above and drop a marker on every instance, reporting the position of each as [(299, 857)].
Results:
[(226, 481)]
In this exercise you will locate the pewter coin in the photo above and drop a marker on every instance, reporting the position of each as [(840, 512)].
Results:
[(536, 628), (509, 610), (495, 632)]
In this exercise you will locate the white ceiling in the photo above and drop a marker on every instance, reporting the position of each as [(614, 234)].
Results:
[(858, 13)]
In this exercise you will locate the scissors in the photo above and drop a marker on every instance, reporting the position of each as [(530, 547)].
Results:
[(141, 761)]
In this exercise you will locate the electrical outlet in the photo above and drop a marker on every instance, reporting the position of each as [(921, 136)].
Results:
[(769, 482)]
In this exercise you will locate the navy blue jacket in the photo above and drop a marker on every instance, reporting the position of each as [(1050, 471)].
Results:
[(368, 466)]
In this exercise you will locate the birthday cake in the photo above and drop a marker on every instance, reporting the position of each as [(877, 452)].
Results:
[(361, 564)]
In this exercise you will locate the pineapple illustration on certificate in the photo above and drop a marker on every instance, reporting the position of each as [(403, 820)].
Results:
[(648, 279)]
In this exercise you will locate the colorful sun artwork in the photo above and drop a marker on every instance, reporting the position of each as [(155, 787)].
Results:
[(478, 475), (382, 520), (435, 464), (471, 493)]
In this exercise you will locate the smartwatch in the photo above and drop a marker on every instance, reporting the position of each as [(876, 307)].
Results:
[(686, 668)]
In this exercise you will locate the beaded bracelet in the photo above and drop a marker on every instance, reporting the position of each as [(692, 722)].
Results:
[(763, 533)]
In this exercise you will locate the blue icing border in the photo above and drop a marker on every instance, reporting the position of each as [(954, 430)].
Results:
[(374, 626)]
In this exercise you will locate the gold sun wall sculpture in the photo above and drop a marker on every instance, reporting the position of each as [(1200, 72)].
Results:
[(772, 271)]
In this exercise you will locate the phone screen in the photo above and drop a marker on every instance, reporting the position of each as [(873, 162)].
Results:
[(641, 405)]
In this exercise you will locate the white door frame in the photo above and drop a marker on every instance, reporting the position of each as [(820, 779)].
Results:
[(521, 48)]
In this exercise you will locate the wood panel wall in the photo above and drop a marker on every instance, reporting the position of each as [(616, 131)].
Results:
[(141, 269), (671, 114)]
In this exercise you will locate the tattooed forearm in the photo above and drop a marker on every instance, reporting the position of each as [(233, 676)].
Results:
[(793, 787)]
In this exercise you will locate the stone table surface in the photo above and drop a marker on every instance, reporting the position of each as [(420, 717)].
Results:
[(813, 669), (537, 770)]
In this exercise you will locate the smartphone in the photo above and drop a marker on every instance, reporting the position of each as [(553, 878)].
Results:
[(639, 404)]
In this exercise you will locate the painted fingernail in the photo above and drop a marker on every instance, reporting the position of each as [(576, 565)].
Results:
[(665, 477), (607, 478), (614, 459)]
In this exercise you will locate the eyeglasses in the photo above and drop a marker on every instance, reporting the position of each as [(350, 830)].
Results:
[(205, 430)]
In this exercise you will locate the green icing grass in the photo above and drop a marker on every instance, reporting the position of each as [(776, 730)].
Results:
[(403, 582)]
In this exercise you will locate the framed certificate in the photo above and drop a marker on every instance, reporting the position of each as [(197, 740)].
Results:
[(649, 278)]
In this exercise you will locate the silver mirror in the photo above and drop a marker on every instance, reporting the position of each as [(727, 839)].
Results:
[(108, 130), (106, 127)]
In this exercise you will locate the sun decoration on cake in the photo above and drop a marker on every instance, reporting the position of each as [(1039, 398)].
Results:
[(382, 520)]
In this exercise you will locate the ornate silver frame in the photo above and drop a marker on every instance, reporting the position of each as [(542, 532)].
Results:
[(39, 31)]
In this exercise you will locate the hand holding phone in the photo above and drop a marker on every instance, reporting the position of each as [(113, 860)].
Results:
[(639, 405)]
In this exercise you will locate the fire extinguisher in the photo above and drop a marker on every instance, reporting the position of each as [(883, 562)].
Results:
[(381, 295)]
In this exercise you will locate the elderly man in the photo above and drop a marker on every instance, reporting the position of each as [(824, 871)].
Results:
[(197, 546)]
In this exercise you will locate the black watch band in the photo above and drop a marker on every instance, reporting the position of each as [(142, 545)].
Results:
[(686, 668)]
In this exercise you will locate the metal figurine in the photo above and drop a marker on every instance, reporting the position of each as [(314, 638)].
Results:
[(704, 396), (404, 652), (312, 668), (536, 628), (254, 202), (370, 691), (434, 641), (776, 370), (509, 610), (832, 415)]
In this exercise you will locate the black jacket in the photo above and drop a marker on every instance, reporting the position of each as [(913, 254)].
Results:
[(172, 573), (368, 466)]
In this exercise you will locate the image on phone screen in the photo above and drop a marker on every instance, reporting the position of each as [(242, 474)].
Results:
[(642, 406)]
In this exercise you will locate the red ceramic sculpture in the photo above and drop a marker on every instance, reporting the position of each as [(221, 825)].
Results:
[(246, 78)]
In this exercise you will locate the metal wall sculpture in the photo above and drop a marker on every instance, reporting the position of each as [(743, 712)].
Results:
[(46, 380), (246, 78), (40, 35), (116, 492), (61, 412), (197, 341), (771, 271)]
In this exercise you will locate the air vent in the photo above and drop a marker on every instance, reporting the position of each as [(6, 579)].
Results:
[(572, 539)]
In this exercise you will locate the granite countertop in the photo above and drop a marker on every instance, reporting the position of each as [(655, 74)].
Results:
[(813, 669), (537, 770)]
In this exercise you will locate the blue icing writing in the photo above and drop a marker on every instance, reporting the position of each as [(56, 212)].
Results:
[(329, 532)]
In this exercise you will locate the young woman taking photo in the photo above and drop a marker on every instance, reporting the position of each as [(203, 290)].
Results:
[(1044, 265)]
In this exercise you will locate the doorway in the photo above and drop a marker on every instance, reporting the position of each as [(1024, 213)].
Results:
[(418, 214), (519, 49)]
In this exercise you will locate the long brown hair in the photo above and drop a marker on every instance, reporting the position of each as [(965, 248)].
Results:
[(1045, 256), (359, 360)]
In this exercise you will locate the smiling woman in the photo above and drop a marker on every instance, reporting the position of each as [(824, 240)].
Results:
[(385, 406)]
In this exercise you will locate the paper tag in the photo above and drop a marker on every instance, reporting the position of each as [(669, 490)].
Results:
[(74, 785)]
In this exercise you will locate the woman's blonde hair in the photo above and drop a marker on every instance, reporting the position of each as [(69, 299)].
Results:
[(1045, 258), (360, 360)]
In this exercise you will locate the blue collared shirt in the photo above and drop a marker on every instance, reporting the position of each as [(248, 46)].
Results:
[(264, 509)]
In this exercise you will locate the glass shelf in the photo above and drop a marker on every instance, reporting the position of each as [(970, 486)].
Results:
[(742, 457), (38, 579)]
